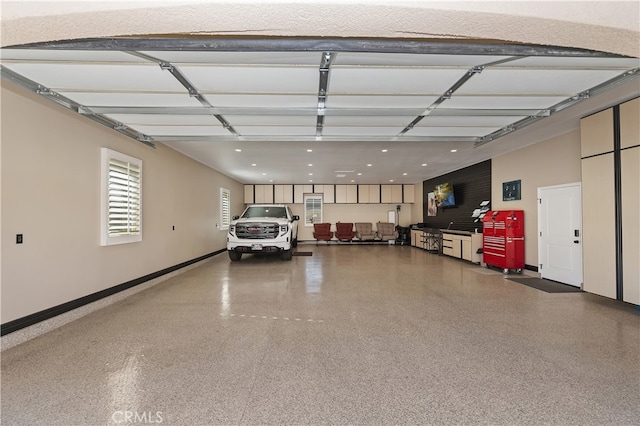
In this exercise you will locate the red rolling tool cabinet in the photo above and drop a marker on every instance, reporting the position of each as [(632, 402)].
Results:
[(503, 239)]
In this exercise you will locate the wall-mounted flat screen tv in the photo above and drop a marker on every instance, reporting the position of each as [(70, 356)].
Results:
[(444, 195)]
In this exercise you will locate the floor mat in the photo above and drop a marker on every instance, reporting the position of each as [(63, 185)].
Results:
[(303, 253), (546, 285)]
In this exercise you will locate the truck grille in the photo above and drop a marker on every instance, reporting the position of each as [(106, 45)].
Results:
[(257, 231)]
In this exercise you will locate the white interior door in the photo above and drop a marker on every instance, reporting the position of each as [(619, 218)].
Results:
[(560, 233), (391, 216)]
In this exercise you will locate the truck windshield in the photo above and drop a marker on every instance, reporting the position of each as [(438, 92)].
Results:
[(256, 211)]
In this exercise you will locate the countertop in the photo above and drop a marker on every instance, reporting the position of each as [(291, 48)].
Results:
[(457, 232), (445, 231)]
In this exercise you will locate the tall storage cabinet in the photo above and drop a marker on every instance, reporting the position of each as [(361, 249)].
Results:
[(630, 192), (598, 201), (610, 142)]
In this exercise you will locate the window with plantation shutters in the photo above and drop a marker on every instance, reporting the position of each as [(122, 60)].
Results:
[(225, 208), (121, 198), (312, 209)]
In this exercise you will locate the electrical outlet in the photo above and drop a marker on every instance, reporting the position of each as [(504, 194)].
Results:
[(18, 238)]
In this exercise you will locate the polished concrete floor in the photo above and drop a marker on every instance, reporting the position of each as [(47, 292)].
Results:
[(362, 335)]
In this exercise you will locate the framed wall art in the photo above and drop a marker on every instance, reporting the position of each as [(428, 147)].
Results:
[(511, 190)]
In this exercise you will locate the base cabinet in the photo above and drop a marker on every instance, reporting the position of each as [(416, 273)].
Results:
[(425, 240), (462, 246), (416, 237), (466, 250), (452, 245)]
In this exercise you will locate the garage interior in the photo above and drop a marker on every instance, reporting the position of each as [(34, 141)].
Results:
[(232, 95)]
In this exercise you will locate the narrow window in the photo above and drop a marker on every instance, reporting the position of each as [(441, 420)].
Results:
[(312, 209), (121, 200), (225, 208)]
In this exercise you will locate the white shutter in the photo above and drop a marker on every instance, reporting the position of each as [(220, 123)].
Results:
[(122, 198), (225, 208), (312, 209)]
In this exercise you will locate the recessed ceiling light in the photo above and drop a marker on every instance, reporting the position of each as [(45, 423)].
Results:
[(309, 150), (404, 174), (359, 174), (424, 164), (310, 174), (238, 150), (270, 180), (454, 150), (385, 150), (264, 174), (390, 180), (369, 165), (310, 180), (310, 165), (253, 164), (352, 180)]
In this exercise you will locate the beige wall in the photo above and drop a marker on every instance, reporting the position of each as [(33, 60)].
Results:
[(372, 213), (333, 213), (552, 162), (50, 193)]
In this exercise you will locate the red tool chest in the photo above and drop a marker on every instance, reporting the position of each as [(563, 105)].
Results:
[(503, 239)]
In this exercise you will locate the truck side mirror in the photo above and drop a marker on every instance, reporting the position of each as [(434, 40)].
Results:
[(235, 218), (295, 217)]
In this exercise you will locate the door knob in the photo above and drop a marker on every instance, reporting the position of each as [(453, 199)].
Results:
[(576, 241)]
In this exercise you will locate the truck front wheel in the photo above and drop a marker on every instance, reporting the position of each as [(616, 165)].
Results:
[(234, 255), (287, 255)]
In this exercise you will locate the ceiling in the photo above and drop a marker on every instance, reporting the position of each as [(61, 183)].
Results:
[(286, 110)]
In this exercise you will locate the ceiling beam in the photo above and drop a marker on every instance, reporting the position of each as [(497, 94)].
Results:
[(285, 138), (191, 89), (284, 111), (74, 106), (325, 65)]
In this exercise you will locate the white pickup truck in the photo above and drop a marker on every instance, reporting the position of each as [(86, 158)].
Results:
[(263, 228)]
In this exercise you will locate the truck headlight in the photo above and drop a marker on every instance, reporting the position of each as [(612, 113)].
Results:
[(284, 229)]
